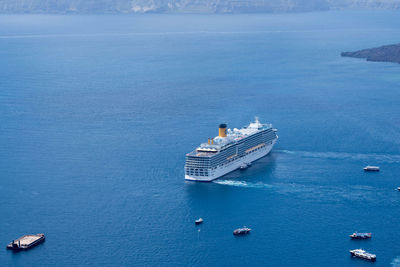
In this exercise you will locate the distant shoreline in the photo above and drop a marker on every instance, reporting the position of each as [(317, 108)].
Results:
[(189, 6), (386, 53)]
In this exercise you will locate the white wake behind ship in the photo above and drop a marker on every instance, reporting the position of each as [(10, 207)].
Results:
[(230, 150)]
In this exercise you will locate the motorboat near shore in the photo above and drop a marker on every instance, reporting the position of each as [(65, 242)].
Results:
[(360, 235), (242, 231), (199, 221), (371, 169), (362, 254), (26, 242)]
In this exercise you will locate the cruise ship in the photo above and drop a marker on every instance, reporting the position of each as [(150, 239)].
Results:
[(230, 150)]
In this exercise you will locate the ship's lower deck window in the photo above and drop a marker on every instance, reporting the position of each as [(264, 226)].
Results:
[(197, 172)]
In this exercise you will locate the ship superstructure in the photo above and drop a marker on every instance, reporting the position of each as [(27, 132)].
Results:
[(229, 150)]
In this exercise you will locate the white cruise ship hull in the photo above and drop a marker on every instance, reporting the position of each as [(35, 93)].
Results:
[(234, 165)]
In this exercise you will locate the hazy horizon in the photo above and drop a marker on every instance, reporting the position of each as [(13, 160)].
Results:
[(189, 6)]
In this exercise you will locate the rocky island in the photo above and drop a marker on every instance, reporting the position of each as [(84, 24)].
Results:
[(386, 53)]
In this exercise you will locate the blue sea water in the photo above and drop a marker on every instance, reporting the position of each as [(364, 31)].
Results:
[(98, 112)]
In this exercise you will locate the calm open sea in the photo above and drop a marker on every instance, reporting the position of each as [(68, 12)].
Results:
[(98, 112)]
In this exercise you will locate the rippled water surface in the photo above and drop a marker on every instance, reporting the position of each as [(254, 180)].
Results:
[(98, 112)]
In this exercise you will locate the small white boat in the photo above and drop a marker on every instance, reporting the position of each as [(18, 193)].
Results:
[(199, 221), (398, 188), (360, 253), (371, 169), (243, 166), (242, 231)]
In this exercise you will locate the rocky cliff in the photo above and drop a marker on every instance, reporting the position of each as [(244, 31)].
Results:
[(387, 53)]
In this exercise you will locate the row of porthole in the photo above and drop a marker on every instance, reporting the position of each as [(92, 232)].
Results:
[(198, 174)]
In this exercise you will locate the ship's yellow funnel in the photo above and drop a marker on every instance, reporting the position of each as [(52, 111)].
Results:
[(222, 130)]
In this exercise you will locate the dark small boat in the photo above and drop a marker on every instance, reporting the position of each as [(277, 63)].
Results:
[(26, 242), (360, 235), (199, 221), (242, 231), (371, 169)]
